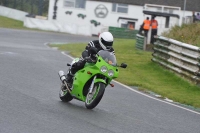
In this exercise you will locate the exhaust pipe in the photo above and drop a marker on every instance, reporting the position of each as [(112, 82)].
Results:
[(63, 79), (62, 75)]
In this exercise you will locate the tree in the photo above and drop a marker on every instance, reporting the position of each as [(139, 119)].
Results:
[(37, 7)]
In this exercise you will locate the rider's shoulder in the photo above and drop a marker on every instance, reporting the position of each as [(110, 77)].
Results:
[(94, 43)]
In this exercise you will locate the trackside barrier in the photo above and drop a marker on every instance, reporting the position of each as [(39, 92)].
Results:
[(178, 56), (12, 13), (57, 26), (123, 32), (140, 42)]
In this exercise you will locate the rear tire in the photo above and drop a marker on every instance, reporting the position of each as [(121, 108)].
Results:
[(94, 98), (64, 94)]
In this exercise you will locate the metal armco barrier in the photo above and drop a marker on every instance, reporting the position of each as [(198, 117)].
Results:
[(178, 56)]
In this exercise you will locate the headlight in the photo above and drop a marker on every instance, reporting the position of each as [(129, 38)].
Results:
[(104, 69), (110, 73)]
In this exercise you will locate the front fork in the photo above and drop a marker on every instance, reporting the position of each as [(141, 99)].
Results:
[(96, 80), (92, 85)]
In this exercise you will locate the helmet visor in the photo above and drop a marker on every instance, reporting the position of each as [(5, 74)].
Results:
[(106, 43)]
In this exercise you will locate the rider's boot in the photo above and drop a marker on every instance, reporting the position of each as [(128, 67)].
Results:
[(71, 72), (69, 77)]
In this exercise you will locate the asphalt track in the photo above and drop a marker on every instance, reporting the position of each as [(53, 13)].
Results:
[(29, 101)]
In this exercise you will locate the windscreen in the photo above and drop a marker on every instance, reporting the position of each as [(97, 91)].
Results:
[(108, 57)]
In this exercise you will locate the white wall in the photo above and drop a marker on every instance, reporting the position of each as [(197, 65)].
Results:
[(49, 25), (54, 25), (109, 20), (134, 11), (83, 26), (12, 13)]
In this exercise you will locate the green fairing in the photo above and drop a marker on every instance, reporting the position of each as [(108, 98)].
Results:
[(100, 80), (82, 77), (89, 83)]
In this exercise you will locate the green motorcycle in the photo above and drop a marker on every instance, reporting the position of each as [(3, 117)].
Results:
[(90, 82)]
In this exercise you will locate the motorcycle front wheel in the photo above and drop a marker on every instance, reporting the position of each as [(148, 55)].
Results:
[(64, 94), (92, 99)]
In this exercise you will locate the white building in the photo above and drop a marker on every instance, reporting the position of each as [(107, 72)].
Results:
[(116, 13)]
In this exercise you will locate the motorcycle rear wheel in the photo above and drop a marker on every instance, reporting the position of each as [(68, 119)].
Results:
[(64, 94), (94, 98)]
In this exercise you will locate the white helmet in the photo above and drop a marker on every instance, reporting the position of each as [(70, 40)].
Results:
[(106, 40)]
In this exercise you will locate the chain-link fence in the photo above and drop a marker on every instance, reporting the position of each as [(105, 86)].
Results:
[(33, 7)]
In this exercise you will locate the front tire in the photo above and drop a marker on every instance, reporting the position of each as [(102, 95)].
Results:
[(94, 98), (64, 94)]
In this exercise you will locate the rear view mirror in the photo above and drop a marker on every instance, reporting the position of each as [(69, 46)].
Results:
[(123, 65)]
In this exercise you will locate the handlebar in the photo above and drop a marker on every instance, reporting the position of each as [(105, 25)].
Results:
[(89, 60)]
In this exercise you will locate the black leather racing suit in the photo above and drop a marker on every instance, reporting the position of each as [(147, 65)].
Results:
[(86, 53)]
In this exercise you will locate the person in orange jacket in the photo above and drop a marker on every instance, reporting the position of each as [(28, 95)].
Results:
[(146, 26), (154, 29)]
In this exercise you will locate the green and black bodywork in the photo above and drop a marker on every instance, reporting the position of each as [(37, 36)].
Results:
[(90, 82)]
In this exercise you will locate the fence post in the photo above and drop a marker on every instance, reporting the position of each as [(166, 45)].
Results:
[(145, 43), (55, 9)]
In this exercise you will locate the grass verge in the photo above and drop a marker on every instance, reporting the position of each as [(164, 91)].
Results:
[(187, 33), (11, 23), (145, 74), (15, 24)]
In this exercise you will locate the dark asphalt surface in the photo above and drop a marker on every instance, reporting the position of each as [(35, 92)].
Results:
[(29, 101)]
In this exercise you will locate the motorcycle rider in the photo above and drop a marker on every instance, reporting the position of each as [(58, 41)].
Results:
[(105, 42)]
